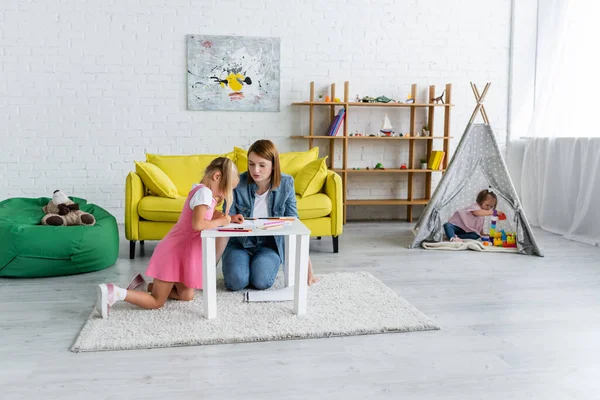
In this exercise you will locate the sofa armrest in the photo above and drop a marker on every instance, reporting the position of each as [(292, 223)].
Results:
[(134, 191), (333, 189)]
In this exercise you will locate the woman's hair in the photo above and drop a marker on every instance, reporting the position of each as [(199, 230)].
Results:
[(228, 172), (267, 150), (484, 194)]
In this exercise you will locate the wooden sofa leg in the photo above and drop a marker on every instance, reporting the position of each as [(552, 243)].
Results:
[(336, 247), (131, 249)]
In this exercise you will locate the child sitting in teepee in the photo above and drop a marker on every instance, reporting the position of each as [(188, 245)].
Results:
[(467, 223)]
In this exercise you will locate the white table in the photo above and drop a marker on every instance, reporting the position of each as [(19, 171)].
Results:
[(297, 236)]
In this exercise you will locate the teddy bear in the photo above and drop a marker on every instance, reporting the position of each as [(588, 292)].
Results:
[(63, 211)]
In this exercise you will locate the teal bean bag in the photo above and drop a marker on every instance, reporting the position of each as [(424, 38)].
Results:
[(29, 250)]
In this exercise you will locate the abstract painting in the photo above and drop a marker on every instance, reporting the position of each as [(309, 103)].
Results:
[(233, 73)]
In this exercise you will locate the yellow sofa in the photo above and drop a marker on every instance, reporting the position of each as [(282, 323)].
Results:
[(150, 217)]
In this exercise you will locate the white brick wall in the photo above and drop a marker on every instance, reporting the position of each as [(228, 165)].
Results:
[(88, 87)]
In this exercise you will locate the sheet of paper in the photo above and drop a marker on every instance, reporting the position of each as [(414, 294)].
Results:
[(246, 225), (285, 294)]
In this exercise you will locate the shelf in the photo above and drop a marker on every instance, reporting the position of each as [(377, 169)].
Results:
[(373, 137), (388, 170), (399, 137), (319, 137), (416, 147), (356, 104), (390, 202)]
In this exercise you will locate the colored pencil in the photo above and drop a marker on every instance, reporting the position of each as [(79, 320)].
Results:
[(281, 218), (272, 226)]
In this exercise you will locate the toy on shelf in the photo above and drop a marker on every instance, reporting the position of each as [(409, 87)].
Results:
[(336, 100), (327, 99), (386, 129), (438, 99), (383, 99), (403, 166), (410, 99), (379, 166), (368, 99)]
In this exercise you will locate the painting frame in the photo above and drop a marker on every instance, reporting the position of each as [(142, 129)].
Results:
[(233, 73)]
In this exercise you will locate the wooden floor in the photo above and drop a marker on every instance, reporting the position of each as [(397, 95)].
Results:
[(513, 327)]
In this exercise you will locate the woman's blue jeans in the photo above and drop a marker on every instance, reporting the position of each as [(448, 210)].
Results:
[(453, 230), (254, 266)]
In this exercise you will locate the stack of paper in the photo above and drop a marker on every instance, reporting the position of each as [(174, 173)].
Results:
[(285, 294)]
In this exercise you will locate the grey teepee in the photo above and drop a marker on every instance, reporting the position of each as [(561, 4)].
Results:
[(477, 164)]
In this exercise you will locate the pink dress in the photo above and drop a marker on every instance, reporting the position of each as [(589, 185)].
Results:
[(178, 257), (465, 219)]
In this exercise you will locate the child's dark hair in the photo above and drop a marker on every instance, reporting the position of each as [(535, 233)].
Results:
[(484, 194)]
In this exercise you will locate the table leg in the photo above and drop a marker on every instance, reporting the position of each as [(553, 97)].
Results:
[(301, 287), (290, 260), (209, 278)]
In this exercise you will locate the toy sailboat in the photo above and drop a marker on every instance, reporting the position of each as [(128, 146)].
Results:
[(386, 128)]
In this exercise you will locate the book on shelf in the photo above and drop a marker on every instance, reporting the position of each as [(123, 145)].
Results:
[(435, 159), (431, 161), (440, 165), (337, 128), (336, 123)]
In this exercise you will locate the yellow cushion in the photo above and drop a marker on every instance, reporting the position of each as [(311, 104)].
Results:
[(311, 178), (154, 208), (315, 206), (241, 159), (292, 162), (156, 180), (184, 171)]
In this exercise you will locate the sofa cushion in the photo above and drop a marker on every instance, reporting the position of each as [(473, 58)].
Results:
[(315, 206), (241, 159), (156, 180), (291, 162), (184, 171), (311, 178), (161, 209)]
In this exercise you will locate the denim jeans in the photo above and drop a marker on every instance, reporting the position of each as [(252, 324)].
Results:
[(254, 266), (453, 230)]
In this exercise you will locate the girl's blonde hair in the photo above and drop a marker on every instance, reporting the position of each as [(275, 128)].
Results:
[(267, 150), (229, 174)]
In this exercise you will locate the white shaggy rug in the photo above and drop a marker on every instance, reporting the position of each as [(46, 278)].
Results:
[(340, 304)]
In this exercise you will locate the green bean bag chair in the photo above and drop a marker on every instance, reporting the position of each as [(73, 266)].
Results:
[(29, 250)]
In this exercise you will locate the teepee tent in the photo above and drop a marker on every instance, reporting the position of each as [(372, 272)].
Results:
[(477, 164)]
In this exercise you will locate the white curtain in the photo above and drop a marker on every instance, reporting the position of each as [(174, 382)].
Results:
[(561, 167)]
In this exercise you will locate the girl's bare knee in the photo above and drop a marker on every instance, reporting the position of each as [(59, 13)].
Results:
[(158, 303), (188, 295)]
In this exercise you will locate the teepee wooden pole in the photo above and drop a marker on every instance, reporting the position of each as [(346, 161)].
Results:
[(479, 108), (483, 111)]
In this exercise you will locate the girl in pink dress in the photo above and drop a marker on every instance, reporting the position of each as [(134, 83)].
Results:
[(467, 223), (176, 264)]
